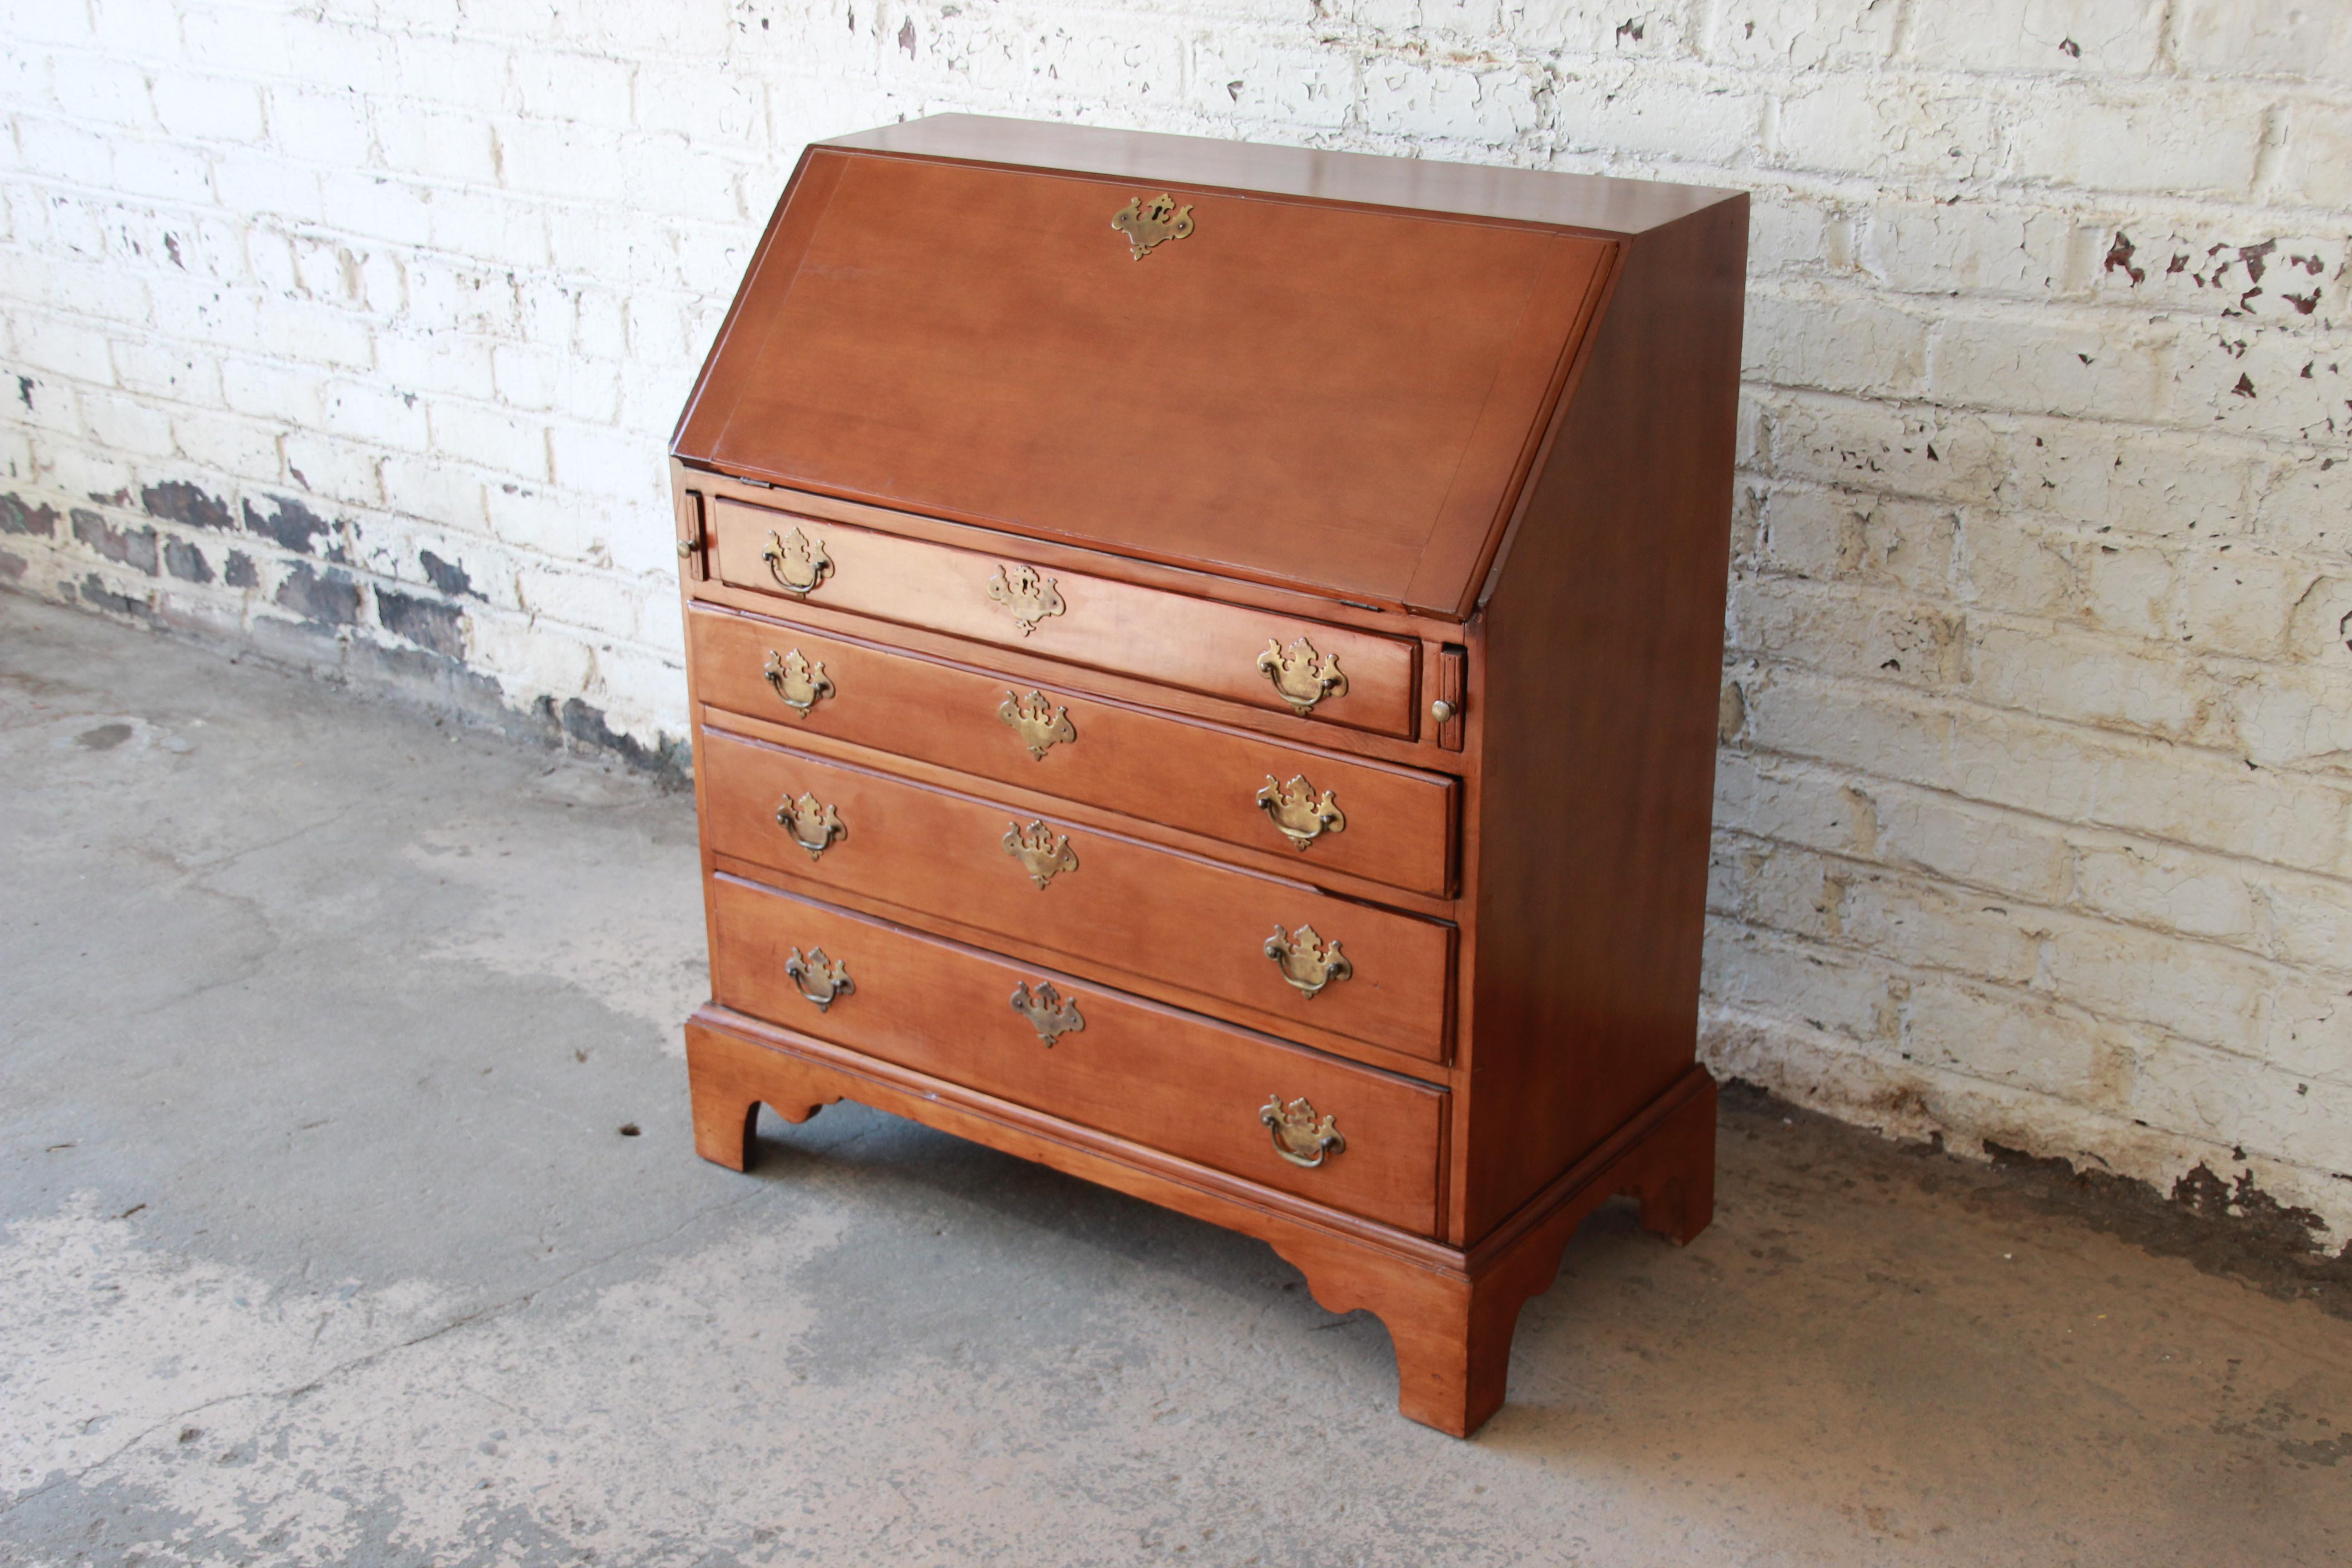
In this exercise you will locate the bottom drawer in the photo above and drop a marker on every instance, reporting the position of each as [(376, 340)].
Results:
[(1179, 1083)]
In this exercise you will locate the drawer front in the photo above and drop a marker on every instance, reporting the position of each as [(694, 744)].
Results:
[(1179, 1083), (1105, 901), (1398, 829), (1331, 673)]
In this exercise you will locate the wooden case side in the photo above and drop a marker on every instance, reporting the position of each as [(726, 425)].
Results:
[(1600, 659)]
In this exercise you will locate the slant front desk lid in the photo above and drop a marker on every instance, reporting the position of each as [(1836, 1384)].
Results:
[(1321, 370)]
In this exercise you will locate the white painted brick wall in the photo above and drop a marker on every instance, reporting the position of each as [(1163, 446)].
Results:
[(2035, 818)]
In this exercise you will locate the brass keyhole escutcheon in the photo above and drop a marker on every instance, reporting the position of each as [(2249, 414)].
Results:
[(815, 826), (1296, 809), (1302, 677), (1152, 221), (1038, 721), (1307, 961), (1025, 593), (1300, 1135), (1043, 853), (800, 683), (821, 981), (797, 563), (1048, 1011)]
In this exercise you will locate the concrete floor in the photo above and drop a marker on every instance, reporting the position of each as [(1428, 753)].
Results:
[(323, 1243)]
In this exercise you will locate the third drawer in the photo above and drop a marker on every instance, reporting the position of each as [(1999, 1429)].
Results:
[(1127, 906)]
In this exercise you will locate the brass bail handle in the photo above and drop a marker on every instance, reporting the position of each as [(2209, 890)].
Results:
[(797, 563), (821, 981), (1300, 1135), (813, 826), (1307, 961), (799, 683), (1301, 677)]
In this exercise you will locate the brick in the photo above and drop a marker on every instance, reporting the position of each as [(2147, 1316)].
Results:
[(1974, 247), (1853, 123), (491, 438), (2264, 37), (1803, 35), (208, 108), (2317, 164), (2304, 502), (96, 90), (57, 151), (1888, 448), (315, 335), (1844, 632), (2230, 1099), (1623, 111), (2018, 1041), (2008, 562), (2041, 35), (583, 88), (1835, 341), (2158, 140), (163, 171), (156, 369), (127, 425), (2299, 719), (244, 449), (2166, 889), (2064, 674), (336, 471), (2164, 484), (361, 413), (319, 123), (1832, 991), (2199, 991), (62, 348), (1824, 534), (428, 488), (437, 145), (2030, 363)]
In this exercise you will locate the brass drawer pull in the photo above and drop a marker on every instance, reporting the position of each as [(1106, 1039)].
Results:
[(830, 976), (1307, 961), (1300, 1136), (1293, 808), (1300, 674), (799, 685), (1043, 853), (815, 826), (797, 565), (1049, 1013), (1040, 724), (1025, 593)]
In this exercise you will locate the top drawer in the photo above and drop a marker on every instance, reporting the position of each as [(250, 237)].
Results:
[(1257, 657)]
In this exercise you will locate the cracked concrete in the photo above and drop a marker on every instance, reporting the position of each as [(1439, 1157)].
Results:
[(323, 1244)]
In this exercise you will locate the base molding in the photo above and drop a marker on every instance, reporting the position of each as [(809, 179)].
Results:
[(1450, 1312)]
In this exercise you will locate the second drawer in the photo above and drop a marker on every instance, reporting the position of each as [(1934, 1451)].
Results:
[(1279, 954)]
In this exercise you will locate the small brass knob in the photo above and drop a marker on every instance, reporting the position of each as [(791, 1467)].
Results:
[(1442, 710)]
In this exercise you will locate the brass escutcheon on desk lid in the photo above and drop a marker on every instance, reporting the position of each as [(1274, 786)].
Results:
[(1300, 1135), (1049, 1013), (800, 683), (1043, 853), (797, 563), (1301, 675), (1295, 808), (815, 826), (1025, 593), (831, 977), (1152, 221), (1040, 724), (1307, 961)]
